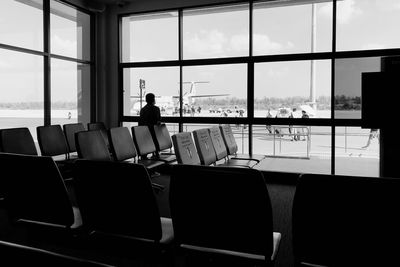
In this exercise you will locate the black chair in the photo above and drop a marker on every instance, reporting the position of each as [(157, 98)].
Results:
[(70, 130), (232, 147), (91, 145), (162, 139), (36, 193), (208, 153), (184, 148), (123, 149), (99, 126), (222, 153), (118, 206), (17, 140), (52, 143), (226, 213), (346, 221), (145, 145), (21, 255), (204, 147)]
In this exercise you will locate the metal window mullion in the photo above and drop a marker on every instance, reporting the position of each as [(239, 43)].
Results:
[(180, 58), (333, 128), (46, 63)]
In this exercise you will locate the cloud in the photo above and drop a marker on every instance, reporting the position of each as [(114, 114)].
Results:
[(346, 11), (206, 43), (239, 42), (215, 43), (68, 47), (264, 45)]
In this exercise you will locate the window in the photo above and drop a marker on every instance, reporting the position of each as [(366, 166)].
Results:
[(70, 31), (70, 98), (216, 32), (264, 66), (21, 23), (367, 24), (215, 90), (357, 151), (150, 37), (348, 73), (287, 28), (163, 82), (291, 85), (29, 58), (21, 103)]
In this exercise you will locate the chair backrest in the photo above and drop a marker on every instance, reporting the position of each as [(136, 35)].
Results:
[(204, 146), (21, 255), (143, 141), (17, 140), (52, 140), (35, 190), (346, 221), (69, 130), (163, 137), (229, 139), (99, 126), (184, 148), (117, 198), (218, 142), (91, 145), (221, 208), (93, 126), (122, 145)]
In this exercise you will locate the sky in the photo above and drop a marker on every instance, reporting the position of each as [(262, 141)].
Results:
[(211, 33)]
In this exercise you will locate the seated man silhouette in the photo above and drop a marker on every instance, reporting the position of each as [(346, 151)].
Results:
[(150, 114)]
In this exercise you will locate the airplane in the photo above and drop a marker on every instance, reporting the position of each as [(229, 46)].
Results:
[(171, 104)]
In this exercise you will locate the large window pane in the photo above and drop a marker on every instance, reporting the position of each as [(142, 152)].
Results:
[(280, 86), (21, 23), (367, 24), (216, 32), (161, 81), (295, 148), (21, 94), (215, 90), (70, 31), (152, 37), (348, 74), (357, 152), (70, 92), (285, 27)]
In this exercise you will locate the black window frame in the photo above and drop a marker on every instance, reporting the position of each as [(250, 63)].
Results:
[(250, 60)]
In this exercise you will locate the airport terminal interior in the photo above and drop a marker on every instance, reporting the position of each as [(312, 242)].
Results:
[(277, 144)]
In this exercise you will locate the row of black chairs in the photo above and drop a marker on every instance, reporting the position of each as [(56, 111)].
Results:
[(211, 146), (118, 209), (337, 220), (101, 143)]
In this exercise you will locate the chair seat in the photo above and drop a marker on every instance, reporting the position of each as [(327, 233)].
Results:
[(276, 240), (237, 162), (150, 164), (165, 157), (253, 157)]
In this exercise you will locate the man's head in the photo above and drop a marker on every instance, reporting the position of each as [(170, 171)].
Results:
[(150, 98)]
